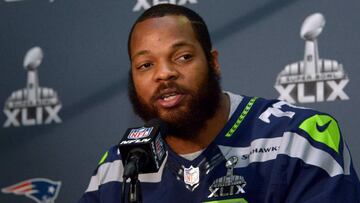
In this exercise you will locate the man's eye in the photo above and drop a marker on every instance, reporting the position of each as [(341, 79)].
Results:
[(185, 57), (145, 66)]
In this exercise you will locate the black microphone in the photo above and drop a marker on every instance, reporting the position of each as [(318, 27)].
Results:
[(142, 149)]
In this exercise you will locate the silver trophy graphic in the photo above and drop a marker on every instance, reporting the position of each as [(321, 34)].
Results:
[(229, 184), (32, 61), (33, 95), (310, 30), (33, 104), (313, 79)]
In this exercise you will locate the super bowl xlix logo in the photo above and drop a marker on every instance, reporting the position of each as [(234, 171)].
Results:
[(313, 79), (230, 184), (32, 105)]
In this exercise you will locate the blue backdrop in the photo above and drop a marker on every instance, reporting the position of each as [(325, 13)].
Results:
[(79, 66)]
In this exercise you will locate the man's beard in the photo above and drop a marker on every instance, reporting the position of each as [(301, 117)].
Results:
[(201, 106)]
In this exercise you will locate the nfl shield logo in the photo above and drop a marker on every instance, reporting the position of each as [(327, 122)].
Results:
[(191, 175), (139, 133)]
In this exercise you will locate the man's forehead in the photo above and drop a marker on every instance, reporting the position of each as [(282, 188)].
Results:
[(177, 30), (160, 22), (166, 25)]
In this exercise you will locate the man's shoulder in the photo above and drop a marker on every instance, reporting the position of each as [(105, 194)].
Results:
[(259, 118), (274, 112), (111, 155), (303, 125), (269, 128)]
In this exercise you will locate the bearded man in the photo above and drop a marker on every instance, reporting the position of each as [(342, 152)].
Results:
[(222, 147)]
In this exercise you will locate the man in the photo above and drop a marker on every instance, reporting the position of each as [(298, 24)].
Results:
[(221, 147)]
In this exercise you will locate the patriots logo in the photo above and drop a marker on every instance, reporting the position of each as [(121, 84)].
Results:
[(40, 190)]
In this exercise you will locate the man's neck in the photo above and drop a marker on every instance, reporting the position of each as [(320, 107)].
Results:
[(206, 135)]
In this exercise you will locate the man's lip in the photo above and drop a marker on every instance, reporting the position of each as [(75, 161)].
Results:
[(168, 91), (171, 102)]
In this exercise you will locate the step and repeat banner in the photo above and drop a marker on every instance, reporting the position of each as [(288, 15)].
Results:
[(64, 69)]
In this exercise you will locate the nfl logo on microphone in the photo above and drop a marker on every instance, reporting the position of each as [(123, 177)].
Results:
[(139, 133)]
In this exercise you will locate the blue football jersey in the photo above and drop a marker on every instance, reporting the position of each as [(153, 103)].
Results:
[(269, 151)]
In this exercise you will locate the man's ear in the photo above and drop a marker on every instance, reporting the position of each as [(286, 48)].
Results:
[(215, 62)]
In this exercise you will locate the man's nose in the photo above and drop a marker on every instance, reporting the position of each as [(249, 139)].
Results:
[(166, 71)]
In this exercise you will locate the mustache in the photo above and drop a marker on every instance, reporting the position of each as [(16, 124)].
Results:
[(166, 86)]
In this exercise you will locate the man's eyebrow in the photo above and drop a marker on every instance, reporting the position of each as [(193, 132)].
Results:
[(142, 52), (182, 44), (175, 46)]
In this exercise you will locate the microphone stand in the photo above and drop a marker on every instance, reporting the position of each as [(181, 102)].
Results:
[(135, 195), (131, 170)]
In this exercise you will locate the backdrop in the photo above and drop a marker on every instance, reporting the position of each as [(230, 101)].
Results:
[(74, 55)]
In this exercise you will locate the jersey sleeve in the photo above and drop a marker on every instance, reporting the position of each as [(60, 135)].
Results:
[(105, 183), (314, 163)]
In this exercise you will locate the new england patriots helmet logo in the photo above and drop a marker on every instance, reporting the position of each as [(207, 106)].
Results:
[(40, 190)]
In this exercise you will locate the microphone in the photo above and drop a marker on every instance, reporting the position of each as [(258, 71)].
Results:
[(142, 149)]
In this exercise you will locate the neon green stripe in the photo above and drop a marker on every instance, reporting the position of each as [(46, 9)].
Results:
[(237, 200), (103, 158), (241, 117)]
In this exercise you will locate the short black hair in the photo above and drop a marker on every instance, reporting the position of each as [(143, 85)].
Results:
[(198, 24)]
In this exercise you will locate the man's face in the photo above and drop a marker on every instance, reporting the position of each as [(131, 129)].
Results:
[(170, 74)]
